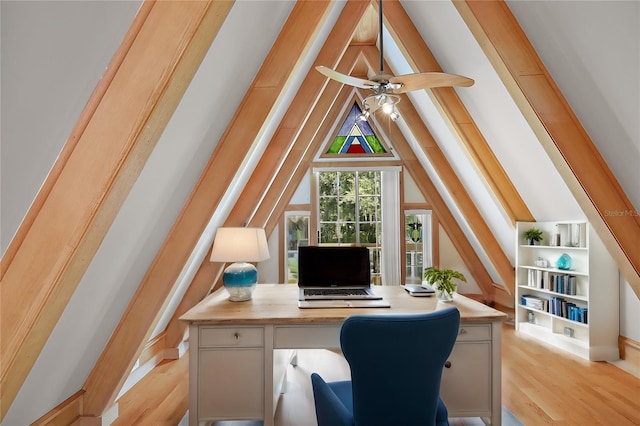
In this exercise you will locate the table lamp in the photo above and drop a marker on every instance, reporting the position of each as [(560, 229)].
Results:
[(240, 245)]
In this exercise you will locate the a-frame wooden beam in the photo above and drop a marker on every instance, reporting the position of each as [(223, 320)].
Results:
[(145, 308), (148, 76), (420, 58), (567, 143), (458, 192)]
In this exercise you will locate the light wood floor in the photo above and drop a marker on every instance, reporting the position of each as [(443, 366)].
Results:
[(540, 386)]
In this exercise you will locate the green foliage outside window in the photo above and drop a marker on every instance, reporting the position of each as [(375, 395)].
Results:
[(350, 210)]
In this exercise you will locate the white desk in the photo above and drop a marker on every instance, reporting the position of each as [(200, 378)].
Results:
[(236, 365)]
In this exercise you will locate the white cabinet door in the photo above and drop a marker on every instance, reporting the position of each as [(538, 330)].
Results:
[(231, 383), (466, 384)]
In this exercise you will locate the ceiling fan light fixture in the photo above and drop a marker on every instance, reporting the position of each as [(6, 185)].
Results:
[(364, 115), (386, 102)]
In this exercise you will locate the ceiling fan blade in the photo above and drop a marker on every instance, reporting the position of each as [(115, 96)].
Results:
[(427, 80), (346, 79)]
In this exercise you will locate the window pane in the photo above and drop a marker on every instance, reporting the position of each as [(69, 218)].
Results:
[(297, 234), (348, 208), (348, 233), (328, 183), (328, 209), (347, 182), (369, 208), (369, 183), (415, 246), (368, 233), (328, 233), (374, 257)]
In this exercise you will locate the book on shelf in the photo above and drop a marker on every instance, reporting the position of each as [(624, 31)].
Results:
[(534, 302), (537, 278), (562, 283), (562, 308), (553, 281)]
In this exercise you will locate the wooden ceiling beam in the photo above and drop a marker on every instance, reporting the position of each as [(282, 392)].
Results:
[(146, 306), (153, 68), (568, 145), (458, 192), (420, 58)]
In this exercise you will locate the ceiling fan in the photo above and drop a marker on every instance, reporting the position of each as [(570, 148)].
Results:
[(386, 87)]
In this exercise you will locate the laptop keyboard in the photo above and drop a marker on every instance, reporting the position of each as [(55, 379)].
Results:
[(336, 292)]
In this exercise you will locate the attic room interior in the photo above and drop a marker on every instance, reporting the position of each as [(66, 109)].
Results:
[(132, 131)]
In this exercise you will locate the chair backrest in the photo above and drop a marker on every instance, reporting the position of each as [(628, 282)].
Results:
[(396, 364)]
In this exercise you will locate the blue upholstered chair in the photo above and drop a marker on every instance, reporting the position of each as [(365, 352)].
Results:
[(396, 365)]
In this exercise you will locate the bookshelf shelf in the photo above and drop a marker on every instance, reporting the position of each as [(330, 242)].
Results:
[(575, 309), (526, 288), (556, 270)]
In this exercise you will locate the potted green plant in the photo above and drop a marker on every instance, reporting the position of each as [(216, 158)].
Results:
[(533, 235), (442, 281)]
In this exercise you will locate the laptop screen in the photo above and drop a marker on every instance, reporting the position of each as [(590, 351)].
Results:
[(322, 266)]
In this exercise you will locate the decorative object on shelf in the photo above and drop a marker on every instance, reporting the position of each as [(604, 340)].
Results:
[(541, 262), (564, 262), (442, 281), (533, 236), (240, 245)]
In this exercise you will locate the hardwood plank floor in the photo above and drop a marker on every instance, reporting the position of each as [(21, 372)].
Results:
[(541, 385)]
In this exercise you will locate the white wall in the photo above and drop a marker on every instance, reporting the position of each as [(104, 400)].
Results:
[(53, 54)]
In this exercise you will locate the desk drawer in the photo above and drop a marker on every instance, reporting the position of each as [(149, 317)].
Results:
[(307, 337), (474, 332), (231, 337)]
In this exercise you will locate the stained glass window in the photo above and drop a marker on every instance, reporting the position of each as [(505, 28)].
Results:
[(356, 137)]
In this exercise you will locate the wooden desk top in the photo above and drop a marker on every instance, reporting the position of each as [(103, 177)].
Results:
[(278, 304)]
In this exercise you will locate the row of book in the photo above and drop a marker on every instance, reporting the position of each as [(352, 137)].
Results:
[(556, 306), (560, 307), (534, 302), (552, 281)]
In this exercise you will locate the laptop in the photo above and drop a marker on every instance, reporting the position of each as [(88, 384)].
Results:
[(334, 273)]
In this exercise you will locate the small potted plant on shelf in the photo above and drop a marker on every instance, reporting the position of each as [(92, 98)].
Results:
[(442, 281), (533, 236)]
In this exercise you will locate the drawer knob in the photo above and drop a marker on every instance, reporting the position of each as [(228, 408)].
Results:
[(236, 335), (447, 364), (462, 331)]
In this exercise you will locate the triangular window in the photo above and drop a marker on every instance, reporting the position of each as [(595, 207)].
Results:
[(356, 137)]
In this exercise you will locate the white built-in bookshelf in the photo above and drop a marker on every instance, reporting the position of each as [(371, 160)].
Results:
[(576, 309)]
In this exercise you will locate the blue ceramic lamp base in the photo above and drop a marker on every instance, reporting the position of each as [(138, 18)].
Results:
[(239, 280)]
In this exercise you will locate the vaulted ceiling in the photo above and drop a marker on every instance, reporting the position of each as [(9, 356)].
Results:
[(210, 113)]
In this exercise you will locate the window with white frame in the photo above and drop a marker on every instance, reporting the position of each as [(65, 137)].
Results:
[(418, 254), (351, 206)]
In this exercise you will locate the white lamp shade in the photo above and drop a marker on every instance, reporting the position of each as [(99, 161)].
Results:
[(240, 245)]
